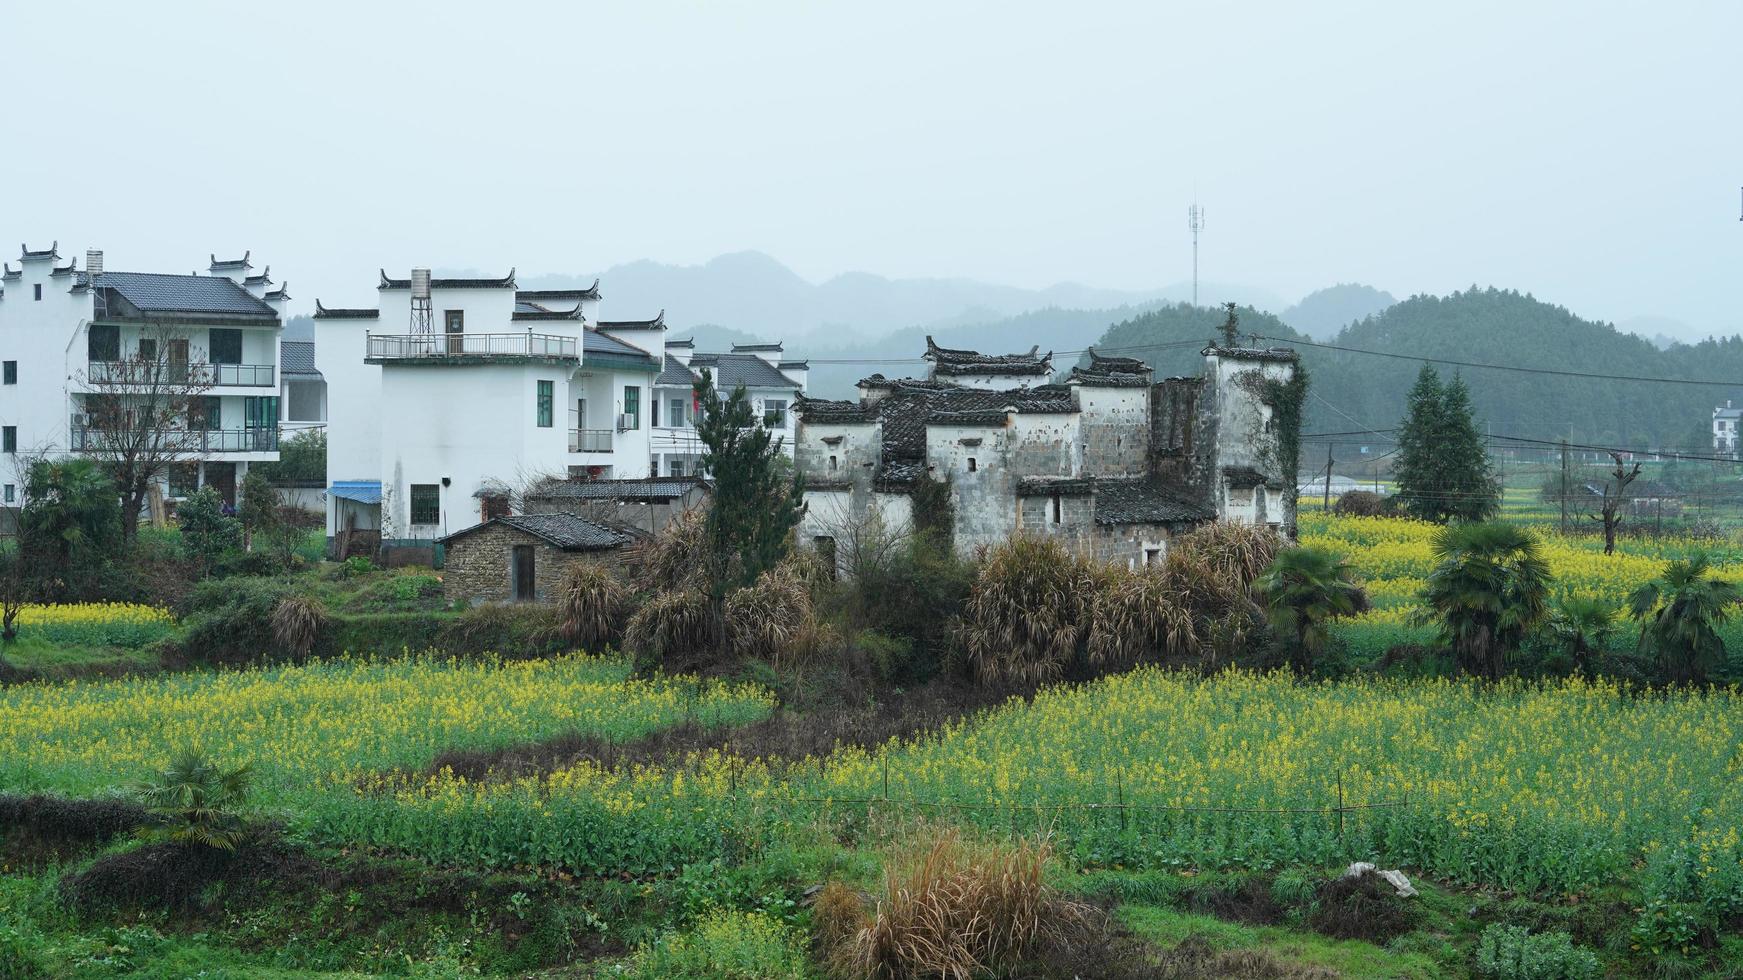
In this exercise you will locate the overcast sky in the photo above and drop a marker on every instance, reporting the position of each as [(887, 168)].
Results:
[(1586, 152)]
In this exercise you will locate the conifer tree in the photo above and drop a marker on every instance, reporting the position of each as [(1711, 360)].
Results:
[(1443, 468), (757, 499)]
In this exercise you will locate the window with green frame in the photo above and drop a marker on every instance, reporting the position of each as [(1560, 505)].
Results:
[(632, 406), (547, 398), (260, 411), (426, 503)]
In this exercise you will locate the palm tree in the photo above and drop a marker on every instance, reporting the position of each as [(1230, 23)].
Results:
[(195, 801), (1678, 613), (1488, 588), (1585, 625), (1302, 589)]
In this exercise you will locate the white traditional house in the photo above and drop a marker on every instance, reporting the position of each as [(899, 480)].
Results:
[(450, 398), (1725, 429), (70, 338)]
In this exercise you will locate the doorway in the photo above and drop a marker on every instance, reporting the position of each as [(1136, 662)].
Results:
[(521, 573), (454, 325)]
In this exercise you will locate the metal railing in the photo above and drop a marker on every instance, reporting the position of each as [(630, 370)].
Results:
[(152, 373), (591, 440), (469, 345), (84, 438)]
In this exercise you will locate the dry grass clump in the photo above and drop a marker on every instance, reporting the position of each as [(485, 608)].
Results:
[(774, 619), (1237, 552), (591, 606), (673, 558), (1192, 607), (951, 908), (297, 622), (671, 626), (1029, 612)]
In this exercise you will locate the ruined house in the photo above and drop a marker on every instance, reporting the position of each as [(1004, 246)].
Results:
[(1110, 460)]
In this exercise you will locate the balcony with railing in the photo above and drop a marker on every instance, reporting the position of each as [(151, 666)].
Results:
[(147, 373), (591, 440), (86, 438), (464, 348)]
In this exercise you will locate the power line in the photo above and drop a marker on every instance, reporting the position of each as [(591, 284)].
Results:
[(1503, 367), (1057, 353)]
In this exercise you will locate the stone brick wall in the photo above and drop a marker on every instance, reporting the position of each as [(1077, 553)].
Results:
[(652, 518), (1076, 512), (479, 566), (1131, 545), (1114, 430), (853, 447), (984, 497)]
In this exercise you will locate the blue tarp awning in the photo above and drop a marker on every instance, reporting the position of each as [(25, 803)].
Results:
[(361, 491)]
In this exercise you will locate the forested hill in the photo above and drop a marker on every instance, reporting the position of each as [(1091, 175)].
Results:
[(1489, 326), (1171, 339)]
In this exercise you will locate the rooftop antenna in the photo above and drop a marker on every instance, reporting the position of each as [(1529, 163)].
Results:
[(423, 314), (1195, 221)]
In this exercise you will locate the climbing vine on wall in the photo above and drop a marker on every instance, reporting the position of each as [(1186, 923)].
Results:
[(1287, 399)]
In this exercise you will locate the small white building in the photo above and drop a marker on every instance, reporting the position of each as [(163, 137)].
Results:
[(446, 402), (71, 337), (1725, 429)]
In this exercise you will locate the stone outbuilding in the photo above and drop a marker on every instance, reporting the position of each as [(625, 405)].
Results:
[(522, 557)]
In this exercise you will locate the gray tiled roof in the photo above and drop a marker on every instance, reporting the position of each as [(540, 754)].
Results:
[(653, 488), (152, 292), (749, 370), (564, 531), (336, 313), (658, 322), (1144, 501), (950, 361), (595, 343), (539, 295), (296, 359), (506, 282), (676, 375), (1254, 353)]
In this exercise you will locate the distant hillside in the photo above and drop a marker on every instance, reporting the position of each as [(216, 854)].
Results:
[(1353, 391), (755, 293), (1172, 339), (1322, 313)]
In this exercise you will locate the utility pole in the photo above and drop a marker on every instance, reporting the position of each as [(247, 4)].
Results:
[(1195, 221), (1564, 486), (1325, 504)]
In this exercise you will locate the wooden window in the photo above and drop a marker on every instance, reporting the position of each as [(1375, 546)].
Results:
[(454, 321), (547, 400), (521, 573), (426, 503)]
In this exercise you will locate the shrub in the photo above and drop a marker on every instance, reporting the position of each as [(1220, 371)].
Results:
[(297, 623), (1359, 503), (230, 621), (916, 593), (1028, 615), (591, 606), (1511, 952), (950, 908), (207, 532), (673, 626), (724, 945), (524, 629)]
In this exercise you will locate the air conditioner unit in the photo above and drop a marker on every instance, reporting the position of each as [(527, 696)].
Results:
[(625, 422)]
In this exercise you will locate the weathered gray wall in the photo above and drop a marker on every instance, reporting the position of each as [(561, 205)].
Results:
[(1114, 430)]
